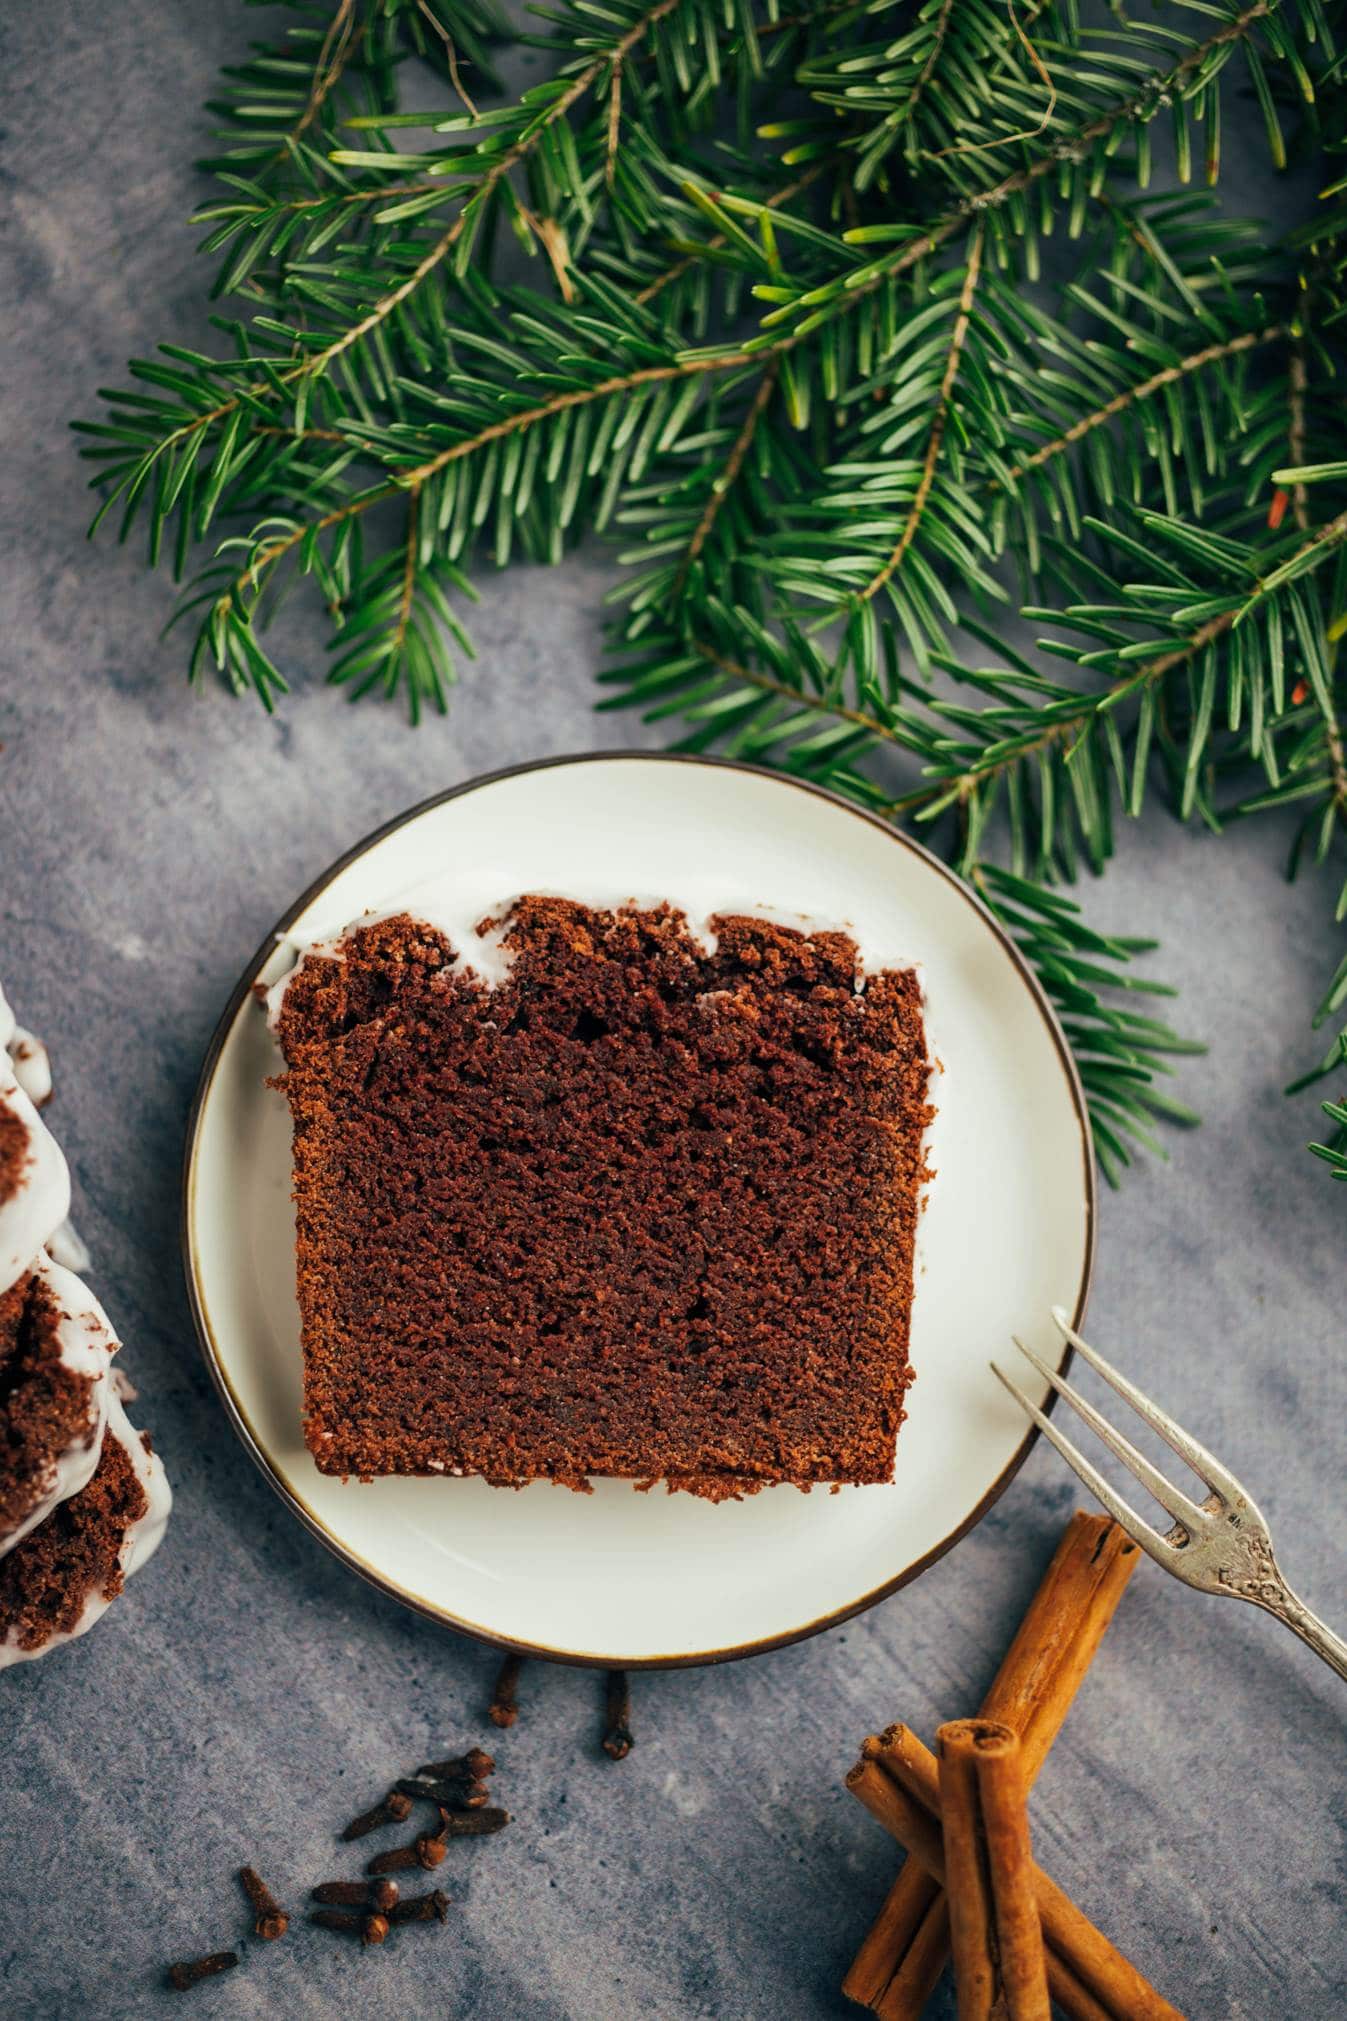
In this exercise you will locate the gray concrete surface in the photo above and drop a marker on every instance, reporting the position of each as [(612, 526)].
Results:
[(248, 1693)]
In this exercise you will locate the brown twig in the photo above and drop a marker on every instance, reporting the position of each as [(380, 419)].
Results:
[(266, 557), (614, 124), (1064, 728), (412, 549), (491, 181), (339, 44), (451, 58)]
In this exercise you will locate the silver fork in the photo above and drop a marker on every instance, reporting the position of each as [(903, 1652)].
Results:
[(1221, 1544)]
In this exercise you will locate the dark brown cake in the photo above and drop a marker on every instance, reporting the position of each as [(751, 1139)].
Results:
[(45, 1405), (641, 1209), (73, 1562)]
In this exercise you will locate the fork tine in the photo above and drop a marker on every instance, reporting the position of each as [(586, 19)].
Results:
[(1136, 1527), (1203, 1463), (1183, 1509)]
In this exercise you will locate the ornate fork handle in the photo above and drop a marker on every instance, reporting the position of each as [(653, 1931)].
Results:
[(1257, 1577), (1278, 1599)]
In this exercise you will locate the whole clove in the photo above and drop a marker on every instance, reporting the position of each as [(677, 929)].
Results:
[(395, 1808), (431, 1908), (457, 1794), (270, 1919), (338, 1918), (476, 1763), (426, 1851), (504, 1709), (617, 1735), (370, 1927), (193, 1970), (381, 1894), (472, 1824)]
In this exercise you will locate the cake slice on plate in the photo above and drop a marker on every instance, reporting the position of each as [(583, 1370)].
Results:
[(593, 1194)]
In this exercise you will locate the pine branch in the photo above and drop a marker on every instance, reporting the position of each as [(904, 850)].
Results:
[(834, 398), (734, 463), (1073, 146), (339, 44), (939, 421), (1135, 396)]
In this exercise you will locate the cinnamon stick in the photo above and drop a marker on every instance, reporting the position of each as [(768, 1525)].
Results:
[(896, 1968), (972, 1917), (995, 1930), (898, 1782)]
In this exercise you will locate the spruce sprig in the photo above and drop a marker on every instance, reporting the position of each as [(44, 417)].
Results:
[(854, 325)]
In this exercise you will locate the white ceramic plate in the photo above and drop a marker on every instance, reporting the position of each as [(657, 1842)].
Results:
[(620, 1577)]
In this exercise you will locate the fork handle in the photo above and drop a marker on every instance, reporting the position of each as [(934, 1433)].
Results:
[(1290, 1608)]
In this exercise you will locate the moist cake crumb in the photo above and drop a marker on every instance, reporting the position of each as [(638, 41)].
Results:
[(644, 1208), (48, 1581), (45, 1405)]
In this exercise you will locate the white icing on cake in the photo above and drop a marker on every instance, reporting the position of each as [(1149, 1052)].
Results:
[(66, 1248), (32, 1067), (456, 911), (27, 1056), (143, 1537), (33, 1212), (85, 1344)]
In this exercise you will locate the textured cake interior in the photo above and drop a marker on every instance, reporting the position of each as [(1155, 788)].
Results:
[(46, 1581), (640, 1209), (44, 1406)]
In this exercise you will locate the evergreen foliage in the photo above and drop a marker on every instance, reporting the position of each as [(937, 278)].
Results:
[(855, 326)]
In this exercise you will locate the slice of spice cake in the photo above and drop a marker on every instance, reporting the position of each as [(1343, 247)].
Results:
[(644, 1206)]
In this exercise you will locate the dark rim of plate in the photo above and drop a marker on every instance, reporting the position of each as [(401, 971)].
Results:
[(214, 1360)]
